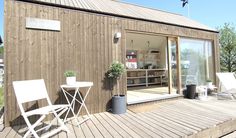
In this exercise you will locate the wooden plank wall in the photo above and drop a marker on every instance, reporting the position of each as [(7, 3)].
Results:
[(85, 44)]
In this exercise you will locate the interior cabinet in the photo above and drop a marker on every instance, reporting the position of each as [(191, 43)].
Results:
[(131, 59), (146, 77), (152, 59)]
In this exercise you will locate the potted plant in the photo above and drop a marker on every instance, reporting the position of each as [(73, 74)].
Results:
[(209, 83), (70, 77), (118, 101)]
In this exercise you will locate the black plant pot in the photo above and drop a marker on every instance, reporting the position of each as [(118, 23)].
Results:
[(191, 91), (119, 104)]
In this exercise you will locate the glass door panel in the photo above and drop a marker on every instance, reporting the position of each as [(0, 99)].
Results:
[(196, 61), (172, 65)]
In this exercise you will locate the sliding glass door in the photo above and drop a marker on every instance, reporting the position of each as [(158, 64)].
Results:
[(196, 61)]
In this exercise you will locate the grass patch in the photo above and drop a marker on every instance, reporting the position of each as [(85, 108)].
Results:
[(1, 97)]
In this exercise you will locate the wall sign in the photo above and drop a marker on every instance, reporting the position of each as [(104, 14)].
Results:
[(43, 24)]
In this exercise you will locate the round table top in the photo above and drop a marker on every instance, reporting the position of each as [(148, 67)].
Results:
[(78, 84)]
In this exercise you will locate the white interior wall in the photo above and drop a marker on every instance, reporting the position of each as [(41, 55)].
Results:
[(146, 42)]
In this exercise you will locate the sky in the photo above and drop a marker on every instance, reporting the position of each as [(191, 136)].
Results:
[(213, 13)]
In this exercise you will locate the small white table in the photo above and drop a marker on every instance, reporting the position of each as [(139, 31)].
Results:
[(81, 101)]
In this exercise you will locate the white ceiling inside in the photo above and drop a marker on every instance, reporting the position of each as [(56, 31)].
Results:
[(143, 41)]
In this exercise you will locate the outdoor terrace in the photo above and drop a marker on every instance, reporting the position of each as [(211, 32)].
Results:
[(178, 118)]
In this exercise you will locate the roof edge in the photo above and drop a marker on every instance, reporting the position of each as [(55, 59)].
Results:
[(112, 14), (147, 7)]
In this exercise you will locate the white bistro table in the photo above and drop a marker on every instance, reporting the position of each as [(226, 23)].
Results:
[(66, 89), (202, 92)]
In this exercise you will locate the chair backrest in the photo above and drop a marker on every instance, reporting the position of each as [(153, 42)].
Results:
[(227, 80), (30, 90)]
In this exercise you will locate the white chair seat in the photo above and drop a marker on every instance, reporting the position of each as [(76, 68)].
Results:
[(46, 110)]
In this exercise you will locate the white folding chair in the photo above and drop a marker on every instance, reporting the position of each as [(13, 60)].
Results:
[(227, 85), (33, 90)]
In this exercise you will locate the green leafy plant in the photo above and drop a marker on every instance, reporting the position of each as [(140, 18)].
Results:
[(116, 70), (208, 80), (70, 73)]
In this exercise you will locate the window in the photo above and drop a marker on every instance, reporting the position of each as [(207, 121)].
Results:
[(196, 61)]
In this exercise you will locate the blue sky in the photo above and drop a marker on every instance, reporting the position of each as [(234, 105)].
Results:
[(213, 13)]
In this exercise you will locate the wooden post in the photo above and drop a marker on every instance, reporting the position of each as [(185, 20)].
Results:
[(216, 63), (178, 66), (169, 65)]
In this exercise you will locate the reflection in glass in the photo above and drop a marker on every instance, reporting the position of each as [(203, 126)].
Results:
[(172, 45), (196, 61)]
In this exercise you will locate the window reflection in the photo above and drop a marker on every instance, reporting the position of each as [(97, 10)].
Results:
[(196, 61)]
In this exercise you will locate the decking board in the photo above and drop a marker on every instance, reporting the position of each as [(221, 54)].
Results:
[(100, 127), (177, 123), (107, 126), (198, 115), (78, 130), (171, 125), (158, 129), (192, 119), (85, 129), (122, 125), (132, 125), (5, 132), (71, 128), (164, 125), (93, 128), (115, 126), (202, 110), (180, 119)]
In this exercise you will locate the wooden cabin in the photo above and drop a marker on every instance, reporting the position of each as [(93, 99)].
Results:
[(161, 50)]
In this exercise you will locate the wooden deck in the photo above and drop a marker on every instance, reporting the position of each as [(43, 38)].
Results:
[(180, 118)]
